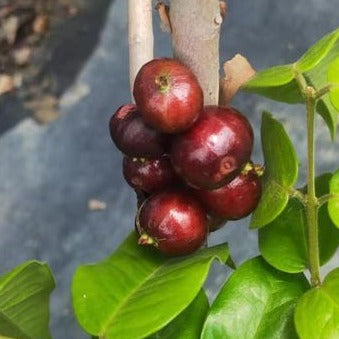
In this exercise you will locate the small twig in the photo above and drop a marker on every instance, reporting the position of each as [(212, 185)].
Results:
[(223, 9), (237, 71), (165, 22)]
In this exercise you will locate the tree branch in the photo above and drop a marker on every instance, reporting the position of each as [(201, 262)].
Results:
[(140, 36), (195, 40)]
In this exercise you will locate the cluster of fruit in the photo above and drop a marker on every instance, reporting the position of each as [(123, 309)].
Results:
[(189, 164)]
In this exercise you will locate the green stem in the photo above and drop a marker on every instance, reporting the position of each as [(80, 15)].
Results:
[(325, 198), (312, 201)]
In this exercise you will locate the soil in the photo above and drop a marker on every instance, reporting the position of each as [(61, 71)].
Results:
[(43, 45)]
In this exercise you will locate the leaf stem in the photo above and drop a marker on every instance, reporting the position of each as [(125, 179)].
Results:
[(301, 81), (325, 198), (294, 193), (322, 91), (312, 201)]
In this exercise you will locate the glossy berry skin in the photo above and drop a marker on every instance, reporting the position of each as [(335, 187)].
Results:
[(149, 175), (168, 95), (173, 221), (133, 137), (235, 200), (215, 222), (214, 149)]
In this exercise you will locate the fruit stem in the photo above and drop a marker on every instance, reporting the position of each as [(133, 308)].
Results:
[(312, 201)]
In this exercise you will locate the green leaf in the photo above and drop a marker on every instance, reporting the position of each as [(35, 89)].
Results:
[(256, 302), (333, 204), (138, 287), (284, 243), (328, 233), (24, 301), (317, 312), (276, 83), (333, 78), (281, 171), (317, 77), (188, 324), (318, 51), (325, 108)]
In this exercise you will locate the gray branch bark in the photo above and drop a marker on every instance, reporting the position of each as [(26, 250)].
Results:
[(195, 41), (140, 36)]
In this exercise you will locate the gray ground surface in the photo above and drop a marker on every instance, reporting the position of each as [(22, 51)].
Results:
[(48, 173)]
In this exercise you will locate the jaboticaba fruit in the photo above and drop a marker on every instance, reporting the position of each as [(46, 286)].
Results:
[(133, 137), (214, 149), (215, 222), (173, 221), (168, 95), (149, 175), (235, 200)]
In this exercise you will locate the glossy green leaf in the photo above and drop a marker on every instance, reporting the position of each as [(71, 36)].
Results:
[(318, 51), (283, 243), (188, 324), (281, 171), (333, 204), (138, 287), (24, 301), (318, 78), (317, 312), (276, 83), (327, 111), (333, 78), (256, 302), (328, 233)]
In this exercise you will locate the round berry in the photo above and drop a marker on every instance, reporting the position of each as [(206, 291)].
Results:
[(133, 137), (174, 222), (149, 175), (214, 149), (215, 222), (168, 95), (235, 200)]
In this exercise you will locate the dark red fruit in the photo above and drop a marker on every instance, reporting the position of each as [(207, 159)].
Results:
[(235, 200), (132, 137), (149, 175), (168, 95), (174, 222), (141, 196), (215, 222), (214, 149)]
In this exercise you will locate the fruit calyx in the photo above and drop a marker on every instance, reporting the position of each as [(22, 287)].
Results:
[(146, 239), (141, 160), (256, 168), (163, 83)]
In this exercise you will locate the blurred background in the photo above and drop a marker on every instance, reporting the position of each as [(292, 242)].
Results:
[(63, 71)]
